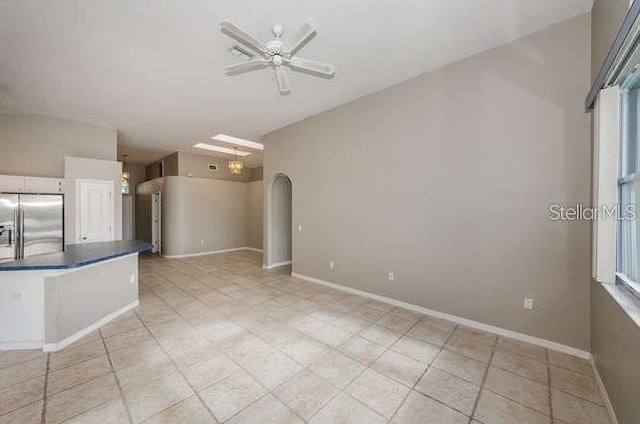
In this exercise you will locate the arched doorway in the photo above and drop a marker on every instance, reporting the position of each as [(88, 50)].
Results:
[(280, 222)]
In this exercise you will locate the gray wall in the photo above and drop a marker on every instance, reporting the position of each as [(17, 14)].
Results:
[(137, 175), (143, 207), (198, 215), (35, 145), (445, 180), (256, 174), (255, 189), (169, 167), (606, 18), (615, 338), (280, 248), (190, 164), (78, 299), (616, 350)]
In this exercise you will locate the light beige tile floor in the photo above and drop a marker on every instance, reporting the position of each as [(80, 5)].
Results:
[(218, 339)]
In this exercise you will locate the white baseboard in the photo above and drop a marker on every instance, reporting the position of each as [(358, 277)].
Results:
[(52, 347), (22, 345), (464, 321), (603, 391), (211, 252), (279, 264)]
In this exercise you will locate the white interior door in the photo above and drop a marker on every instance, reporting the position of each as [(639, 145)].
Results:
[(156, 222), (95, 212)]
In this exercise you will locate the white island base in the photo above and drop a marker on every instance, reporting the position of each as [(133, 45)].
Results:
[(51, 308)]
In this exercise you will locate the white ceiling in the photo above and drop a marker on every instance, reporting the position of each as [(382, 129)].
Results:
[(154, 68)]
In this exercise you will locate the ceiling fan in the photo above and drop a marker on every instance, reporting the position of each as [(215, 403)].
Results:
[(278, 54)]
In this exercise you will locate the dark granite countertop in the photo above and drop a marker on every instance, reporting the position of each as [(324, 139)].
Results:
[(78, 255)]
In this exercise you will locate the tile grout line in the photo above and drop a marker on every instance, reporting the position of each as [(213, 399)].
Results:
[(413, 388), (175, 364), (375, 322), (484, 378), (366, 367), (330, 323), (222, 351), (546, 351), (44, 395), (115, 377)]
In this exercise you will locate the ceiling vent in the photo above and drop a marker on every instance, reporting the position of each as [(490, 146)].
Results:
[(240, 52)]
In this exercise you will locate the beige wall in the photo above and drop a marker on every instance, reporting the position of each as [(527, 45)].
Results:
[(169, 167), (606, 19), (255, 189), (280, 232), (445, 180), (143, 207), (615, 338), (256, 174), (35, 145), (38, 145), (198, 215), (616, 351), (76, 300), (137, 175), (193, 165)]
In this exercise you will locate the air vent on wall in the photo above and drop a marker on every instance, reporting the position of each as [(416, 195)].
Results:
[(213, 167)]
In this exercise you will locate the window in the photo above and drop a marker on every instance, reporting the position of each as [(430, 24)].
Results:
[(628, 255)]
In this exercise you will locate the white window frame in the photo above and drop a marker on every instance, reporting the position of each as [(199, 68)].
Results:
[(605, 183)]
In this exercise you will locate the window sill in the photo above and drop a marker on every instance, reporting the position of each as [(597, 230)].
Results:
[(629, 303)]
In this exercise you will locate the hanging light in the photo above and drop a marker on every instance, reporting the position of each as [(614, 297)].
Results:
[(126, 186), (125, 173), (236, 166)]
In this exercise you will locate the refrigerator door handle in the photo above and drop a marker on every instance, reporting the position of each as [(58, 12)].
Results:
[(16, 226), (20, 232)]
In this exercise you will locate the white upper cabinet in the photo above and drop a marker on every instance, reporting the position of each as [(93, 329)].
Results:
[(11, 184), (43, 185), (15, 184)]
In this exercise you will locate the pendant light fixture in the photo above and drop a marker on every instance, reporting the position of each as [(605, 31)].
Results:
[(125, 173), (126, 186), (236, 166)]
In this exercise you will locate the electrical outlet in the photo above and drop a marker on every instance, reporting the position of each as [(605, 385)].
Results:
[(528, 303), (391, 277), (299, 227), (332, 264), (132, 279), (201, 242)]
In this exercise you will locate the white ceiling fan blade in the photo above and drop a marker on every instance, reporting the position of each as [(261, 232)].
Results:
[(241, 68), (283, 80), (312, 67), (301, 36), (242, 36)]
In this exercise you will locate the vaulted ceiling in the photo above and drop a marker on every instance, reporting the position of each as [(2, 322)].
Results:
[(154, 69)]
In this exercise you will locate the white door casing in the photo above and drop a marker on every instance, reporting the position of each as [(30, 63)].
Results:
[(156, 221), (95, 211)]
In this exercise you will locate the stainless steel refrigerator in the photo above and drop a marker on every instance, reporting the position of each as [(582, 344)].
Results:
[(30, 224)]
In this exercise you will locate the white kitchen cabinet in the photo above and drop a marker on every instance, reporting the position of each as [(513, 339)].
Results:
[(43, 185), (16, 184), (11, 184)]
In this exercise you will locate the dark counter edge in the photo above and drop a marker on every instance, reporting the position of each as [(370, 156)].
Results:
[(78, 255)]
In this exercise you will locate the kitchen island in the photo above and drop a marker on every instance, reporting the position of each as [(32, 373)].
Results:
[(50, 301)]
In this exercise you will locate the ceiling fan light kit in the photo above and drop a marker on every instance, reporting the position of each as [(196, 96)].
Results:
[(278, 54)]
